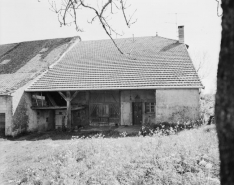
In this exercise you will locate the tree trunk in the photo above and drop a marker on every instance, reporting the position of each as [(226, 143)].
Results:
[(224, 108)]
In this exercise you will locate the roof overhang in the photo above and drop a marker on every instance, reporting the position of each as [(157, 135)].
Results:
[(114, 88)]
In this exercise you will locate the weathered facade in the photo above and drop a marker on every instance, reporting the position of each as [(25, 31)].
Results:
[(119, 107), (177, 105), (93, 84)]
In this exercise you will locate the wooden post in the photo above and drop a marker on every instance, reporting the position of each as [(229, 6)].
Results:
[(68, 99)]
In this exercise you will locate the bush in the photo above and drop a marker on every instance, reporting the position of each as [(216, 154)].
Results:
[(166, 128)]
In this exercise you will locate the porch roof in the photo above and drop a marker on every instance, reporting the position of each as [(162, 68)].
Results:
[(147, 63)]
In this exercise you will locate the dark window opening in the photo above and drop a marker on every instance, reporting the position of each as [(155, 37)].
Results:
[(43, 99), (104, 110)]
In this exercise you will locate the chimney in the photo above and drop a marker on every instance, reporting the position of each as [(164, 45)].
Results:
[(181, 34)]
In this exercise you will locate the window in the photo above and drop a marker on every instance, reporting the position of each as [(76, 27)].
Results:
[(100, 110), (104, 110), (149, 107)]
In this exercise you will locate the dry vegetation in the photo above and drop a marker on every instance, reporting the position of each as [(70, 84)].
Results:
[(189, 157), (207, 103)]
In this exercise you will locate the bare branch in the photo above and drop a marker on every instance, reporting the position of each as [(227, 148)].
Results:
[(123, 11), (92, 19), (201, 63), (101, 19), (69, 7)]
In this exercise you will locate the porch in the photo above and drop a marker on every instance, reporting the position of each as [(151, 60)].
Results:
[(74, 109)]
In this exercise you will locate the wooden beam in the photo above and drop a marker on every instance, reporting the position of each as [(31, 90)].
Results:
[(64, 97), (74, 95), (56, 108), (68, 99), (51, 100), (48, 108)]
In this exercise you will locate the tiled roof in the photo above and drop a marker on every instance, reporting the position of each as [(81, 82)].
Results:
[(11, 82), (22, 62), (148, 62)]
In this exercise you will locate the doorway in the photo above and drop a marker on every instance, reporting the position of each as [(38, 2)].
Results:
[(2, 122), (137, 113)]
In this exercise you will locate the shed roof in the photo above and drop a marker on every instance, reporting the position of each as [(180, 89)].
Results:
[(148, 62)]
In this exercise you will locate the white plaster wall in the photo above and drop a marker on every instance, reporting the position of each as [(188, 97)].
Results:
[(126, 113), (16, 97), (177, 105)]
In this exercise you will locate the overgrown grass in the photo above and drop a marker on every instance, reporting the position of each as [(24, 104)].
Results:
[(190, 157)]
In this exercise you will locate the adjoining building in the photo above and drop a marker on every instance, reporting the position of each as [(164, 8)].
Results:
[(20, 64)]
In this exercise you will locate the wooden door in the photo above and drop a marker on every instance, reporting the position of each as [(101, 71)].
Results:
[(51, 120), (79, 117), (2, 122), (137, 113)]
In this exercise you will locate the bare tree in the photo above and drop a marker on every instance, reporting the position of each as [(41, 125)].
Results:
[(201, 62), (102, 11)]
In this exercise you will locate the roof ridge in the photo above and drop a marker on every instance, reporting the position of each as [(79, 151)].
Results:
[(127, 38), (39, 40)]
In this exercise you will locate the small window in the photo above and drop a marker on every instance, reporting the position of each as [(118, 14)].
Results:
[(149, 107)]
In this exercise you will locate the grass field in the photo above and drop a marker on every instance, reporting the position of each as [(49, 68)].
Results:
[(189, 157)]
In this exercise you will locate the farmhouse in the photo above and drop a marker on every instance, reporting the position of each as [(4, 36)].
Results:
[(92, 83)]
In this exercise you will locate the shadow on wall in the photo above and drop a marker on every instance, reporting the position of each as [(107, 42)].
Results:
[(184, 114), (20, 119)]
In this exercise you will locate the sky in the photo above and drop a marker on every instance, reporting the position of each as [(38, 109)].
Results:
[(27, 20)]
